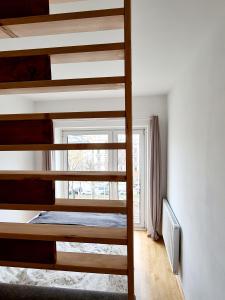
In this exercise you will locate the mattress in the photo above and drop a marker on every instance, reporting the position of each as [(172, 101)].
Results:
[(81, 219)]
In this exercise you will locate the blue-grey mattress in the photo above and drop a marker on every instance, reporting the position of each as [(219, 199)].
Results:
[(81, 219)]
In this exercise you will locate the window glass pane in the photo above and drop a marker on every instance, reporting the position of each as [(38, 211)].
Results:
[(136, 174), (88, 190), (88, 160), (87, 138)]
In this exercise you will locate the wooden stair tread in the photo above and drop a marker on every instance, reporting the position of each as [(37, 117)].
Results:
[(79, 262), (72, 54), (62, 85), (52, 147), (63, 175), (86, 21), (64, 115), (63, 233), (73, 205)]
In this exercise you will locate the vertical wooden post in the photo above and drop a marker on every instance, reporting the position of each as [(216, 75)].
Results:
[(129, 156)]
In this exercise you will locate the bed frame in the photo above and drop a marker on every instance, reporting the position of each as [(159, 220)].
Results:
[(29, 71)]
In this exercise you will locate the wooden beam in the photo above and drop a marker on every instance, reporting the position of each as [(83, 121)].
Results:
[(52, 2), (57, 147), (62, 85), (79, 262), (129, 150), (96, 20), (64, 115), (63, 176), (74, 205), (87, 57), (73, 54), (63, 233)]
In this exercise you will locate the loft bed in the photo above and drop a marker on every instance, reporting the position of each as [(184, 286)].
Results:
[(108, 258), (43, 246), (116, 284)]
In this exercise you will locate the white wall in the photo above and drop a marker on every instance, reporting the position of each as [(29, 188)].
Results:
[(196, 173), (143, 109), (15, 160)]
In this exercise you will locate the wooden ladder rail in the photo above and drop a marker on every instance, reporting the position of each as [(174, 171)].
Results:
[(129, 155)]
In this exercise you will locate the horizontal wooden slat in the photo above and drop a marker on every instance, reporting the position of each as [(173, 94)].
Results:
[(79, 262), (64, 115), (52, 2), (55, 147), (72, 54), (62, 85), (63, 175), (87, 57), (63, 233), (97, 20), (74, 205)]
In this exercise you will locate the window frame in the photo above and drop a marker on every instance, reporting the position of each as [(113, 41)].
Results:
[(113, 160)]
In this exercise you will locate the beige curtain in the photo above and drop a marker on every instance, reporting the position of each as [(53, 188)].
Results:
[(155, 200)]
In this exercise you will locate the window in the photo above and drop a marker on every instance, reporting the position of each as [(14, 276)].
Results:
[(88, 160), (105, 160)]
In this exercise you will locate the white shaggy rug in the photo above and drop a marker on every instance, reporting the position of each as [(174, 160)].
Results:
[(99, 282)]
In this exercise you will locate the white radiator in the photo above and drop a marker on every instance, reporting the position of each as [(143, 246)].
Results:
[(171, 236)]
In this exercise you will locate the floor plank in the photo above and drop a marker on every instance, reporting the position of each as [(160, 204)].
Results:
[(154, 279)]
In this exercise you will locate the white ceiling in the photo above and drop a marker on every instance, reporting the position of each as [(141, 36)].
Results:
[(166, 34)]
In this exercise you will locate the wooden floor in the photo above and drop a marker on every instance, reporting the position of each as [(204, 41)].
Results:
[(153, 277)]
